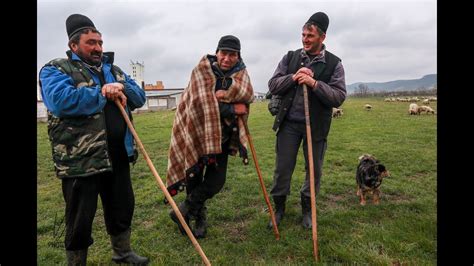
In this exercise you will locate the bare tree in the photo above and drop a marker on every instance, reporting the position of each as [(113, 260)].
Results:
[(363, 88)]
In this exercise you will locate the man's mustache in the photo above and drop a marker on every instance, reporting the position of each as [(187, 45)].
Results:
[(96, 53)]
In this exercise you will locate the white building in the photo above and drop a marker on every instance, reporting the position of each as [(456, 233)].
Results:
[(138, 72), (161, 99), (41, 112), (38, 92), (259, 96)]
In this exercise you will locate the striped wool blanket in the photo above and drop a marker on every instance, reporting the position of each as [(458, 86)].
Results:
[(197, 125)]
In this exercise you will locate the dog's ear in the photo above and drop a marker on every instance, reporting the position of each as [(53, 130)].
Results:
[(381, 167), (383, 170)]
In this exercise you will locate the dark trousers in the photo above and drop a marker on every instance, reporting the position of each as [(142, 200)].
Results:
[(288, 141), (204, 186), (81, 195)]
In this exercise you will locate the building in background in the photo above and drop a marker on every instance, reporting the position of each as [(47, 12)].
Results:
[(158, 86), (38, 92), (259, 96), (161, 99), (138, 73), (41, 112)]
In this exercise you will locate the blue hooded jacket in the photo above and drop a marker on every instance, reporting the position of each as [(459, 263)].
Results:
[(63, 99)]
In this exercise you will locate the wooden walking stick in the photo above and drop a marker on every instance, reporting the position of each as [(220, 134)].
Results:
[(161, 185), (311, 174), (260, 178)]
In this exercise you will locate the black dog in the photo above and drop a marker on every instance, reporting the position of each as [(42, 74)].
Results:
[(369, 176)]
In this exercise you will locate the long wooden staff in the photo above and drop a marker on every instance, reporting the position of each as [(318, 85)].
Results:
[(311, 174), (260, 178), (161, 185)]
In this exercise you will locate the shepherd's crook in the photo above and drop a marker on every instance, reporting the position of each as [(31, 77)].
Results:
[(311, 174), (265, 195), (160, 183)]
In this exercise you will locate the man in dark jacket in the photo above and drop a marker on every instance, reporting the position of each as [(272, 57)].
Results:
[(92, 146), (323, 74)]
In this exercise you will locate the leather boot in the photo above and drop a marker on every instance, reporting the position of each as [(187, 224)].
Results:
[(185, 211), (122, 251), (200, 229), (76, 257), (306, 210), (279, 210)]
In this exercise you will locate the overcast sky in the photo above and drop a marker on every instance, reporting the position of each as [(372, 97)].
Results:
[(377, 41)]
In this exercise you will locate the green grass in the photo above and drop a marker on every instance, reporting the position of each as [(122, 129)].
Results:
[(402, 229)]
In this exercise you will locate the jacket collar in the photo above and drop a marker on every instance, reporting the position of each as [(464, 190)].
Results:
[(320, 57)]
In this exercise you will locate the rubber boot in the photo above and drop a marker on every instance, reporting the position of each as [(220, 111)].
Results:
[(200, 229), (279, 210), (76, 257), (122, 251), (184, 209), (306, 211)]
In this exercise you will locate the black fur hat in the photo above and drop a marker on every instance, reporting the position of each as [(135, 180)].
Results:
[(320, 19), (77, 22)]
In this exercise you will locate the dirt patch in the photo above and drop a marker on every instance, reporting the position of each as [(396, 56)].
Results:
[(338, 201), (237, 231), (417, 176), (334, 201), (396, 198), (341, 200), (398, 263), (148, 224)]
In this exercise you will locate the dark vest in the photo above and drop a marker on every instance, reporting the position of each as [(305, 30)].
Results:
[(79, 144), (320, 114)]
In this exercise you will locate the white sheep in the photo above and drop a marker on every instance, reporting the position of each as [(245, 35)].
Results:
[(368, 107), (413, 109), (426, 109), (337, 112)]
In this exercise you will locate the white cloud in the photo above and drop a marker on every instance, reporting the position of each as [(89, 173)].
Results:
[(377, 40)]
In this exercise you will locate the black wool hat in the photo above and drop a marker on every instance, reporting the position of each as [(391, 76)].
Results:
[(77, 22), (230, 43), (320, 19)]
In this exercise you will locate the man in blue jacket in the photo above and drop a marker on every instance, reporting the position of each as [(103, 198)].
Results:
[(91, 144)]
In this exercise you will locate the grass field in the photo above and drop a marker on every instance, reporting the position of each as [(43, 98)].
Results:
[(402, 229)]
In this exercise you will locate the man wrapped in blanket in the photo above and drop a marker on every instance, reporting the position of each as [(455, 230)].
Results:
[(206, 131)]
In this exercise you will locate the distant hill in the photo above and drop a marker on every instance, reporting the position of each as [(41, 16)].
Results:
[(426, 81)]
